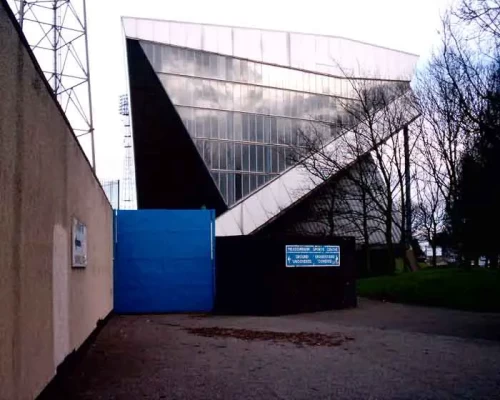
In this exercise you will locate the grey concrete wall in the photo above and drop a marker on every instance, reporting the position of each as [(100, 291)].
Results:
[(47, 308)]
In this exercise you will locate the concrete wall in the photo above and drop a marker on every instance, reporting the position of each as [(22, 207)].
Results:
[(47, 308)]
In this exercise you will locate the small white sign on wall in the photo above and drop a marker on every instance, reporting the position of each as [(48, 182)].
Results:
[(79, 244)]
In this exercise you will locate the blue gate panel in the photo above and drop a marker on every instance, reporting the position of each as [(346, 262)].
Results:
[(164, 261)]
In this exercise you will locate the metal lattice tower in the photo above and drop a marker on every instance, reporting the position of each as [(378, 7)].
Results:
[(128, 190), (56, 31)]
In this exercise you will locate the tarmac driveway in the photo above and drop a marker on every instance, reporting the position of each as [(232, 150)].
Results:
[(378, 351)]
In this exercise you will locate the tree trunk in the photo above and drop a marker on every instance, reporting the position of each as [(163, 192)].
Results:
[(366, 236), (433, 244), (494, 261), (366, 251), (390, 247)]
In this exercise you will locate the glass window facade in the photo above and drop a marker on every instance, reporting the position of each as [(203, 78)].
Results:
[(244, 115)]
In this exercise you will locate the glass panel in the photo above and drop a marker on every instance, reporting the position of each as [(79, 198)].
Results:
[(206, 123), (204, 94), (253, 158), (236, 97), (205, 64), (190, 61), (261, 180), (244, 98), (238, 186), (229, 69), (236, 70), (282, 158), (281, 130), (286, 107), (237, 126), (272, 101), (229, 96), (214, 63), (257, 100), (299, 98), (274, 130), (221, 68), (280, 109), (288, 130), (253, 182), (223, 155), (156, 56), (258, 73), (230, 155), (267, 129), (251, 72), (293, 104), (207, 153), (230, 189), (300, 80), (289, 157), (215, 175), (325, 89), (245, 127), (251, 99), (266, 100), (266, 75), (268, 159), (246, 184), (230, 127), (198, 57), (275, 163), (252, 128), (213, 98), (221, 95), (214, 125), (237, 157), (215, 155), (260, 158), (305, 81), (222, 125), (198, 123), (199, 146), (260, 128), (312, 82), (245, 157), (244, 71)]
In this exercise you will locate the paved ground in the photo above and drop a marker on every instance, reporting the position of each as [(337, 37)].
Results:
[(378, 351)]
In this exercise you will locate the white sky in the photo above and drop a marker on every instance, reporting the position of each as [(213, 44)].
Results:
[(409, 25)]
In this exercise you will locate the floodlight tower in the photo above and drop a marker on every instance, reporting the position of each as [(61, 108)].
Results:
[(56, 31), (128, 189)]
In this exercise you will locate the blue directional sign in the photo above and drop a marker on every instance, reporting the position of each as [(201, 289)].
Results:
[(299, 255)]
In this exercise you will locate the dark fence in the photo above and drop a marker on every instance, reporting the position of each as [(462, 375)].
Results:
[(252, 277)]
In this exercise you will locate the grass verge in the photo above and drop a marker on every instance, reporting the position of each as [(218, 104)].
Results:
[(476, 289)]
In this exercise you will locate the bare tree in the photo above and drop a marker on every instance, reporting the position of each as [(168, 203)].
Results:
[(482, 15), (458, 99), (367, 124), (430, 211)]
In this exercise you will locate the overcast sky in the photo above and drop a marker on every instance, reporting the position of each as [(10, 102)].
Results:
[(409, 25)]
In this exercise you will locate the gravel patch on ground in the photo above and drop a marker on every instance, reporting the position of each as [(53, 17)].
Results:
[(379, 351)]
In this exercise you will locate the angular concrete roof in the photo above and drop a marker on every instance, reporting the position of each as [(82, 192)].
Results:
[(331, 55)]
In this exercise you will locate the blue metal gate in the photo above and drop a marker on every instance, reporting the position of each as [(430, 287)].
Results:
[(164, 261)]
